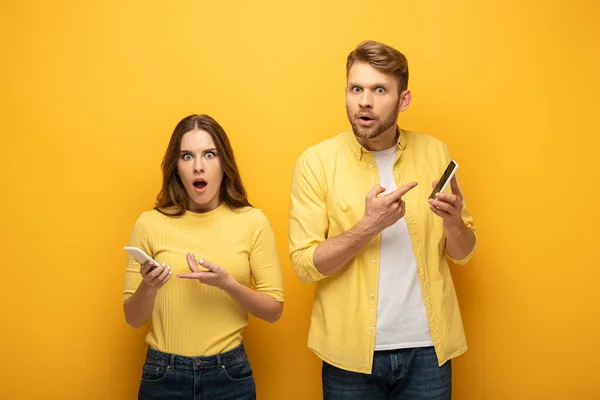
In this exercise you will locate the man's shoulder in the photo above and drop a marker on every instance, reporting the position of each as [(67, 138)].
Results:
[(420, 139), (325, 148), (425, 145)]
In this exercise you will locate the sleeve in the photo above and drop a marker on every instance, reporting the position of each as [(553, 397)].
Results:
[(138, 238), (264, 260), (467, 219), (308, 222)]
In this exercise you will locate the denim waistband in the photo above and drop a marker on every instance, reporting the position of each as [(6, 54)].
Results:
[(181, 362)]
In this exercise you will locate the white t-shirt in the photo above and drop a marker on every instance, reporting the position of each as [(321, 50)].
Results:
[(401, 316)]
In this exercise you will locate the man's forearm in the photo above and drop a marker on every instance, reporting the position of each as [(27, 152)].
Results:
[(335, 253), (459, 242)]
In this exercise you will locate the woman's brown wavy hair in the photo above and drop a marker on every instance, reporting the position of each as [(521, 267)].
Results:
[(173, 199)]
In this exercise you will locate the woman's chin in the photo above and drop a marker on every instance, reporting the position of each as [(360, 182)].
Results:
[(203, 203)]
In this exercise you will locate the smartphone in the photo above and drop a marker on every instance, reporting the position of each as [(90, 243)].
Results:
[(140, 256), (444, 179)]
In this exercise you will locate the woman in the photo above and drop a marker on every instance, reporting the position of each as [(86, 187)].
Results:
[(195, 340)]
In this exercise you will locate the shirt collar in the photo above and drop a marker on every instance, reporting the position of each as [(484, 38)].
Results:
[(358, 149)]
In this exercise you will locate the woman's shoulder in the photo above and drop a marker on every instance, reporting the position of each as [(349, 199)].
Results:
[(153, 216), (251, 215)]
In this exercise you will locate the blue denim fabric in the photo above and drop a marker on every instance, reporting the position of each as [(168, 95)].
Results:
[(405, 374), (226, 376)]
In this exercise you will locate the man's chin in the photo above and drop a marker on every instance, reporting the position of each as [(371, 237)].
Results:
[(369, 133)]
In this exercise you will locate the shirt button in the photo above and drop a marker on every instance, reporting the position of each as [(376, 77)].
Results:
[(374, 261), (371, 328), (370, 166), (372, 295)]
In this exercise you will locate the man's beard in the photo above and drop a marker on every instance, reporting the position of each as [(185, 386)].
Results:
[(380, 126)]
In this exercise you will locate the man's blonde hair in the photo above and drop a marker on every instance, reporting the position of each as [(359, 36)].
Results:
[(383, 58)]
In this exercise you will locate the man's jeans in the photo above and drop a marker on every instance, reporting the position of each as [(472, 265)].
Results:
[(406, 374)]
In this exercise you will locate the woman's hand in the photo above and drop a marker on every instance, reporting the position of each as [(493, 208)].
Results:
[(214, 276), (155, 276)]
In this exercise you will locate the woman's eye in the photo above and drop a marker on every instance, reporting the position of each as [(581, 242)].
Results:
[(187, 157), (210, 155)]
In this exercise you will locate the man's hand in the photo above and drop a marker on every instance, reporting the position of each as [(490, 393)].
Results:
[(449, 207), (384, 211)]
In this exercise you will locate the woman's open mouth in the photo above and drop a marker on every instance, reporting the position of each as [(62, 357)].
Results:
[(200, 184)]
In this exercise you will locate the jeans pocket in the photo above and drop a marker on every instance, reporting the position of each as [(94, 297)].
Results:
[(238, 370), (155, 372)]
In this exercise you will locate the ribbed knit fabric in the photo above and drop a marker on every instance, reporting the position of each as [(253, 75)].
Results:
[(191, 318)]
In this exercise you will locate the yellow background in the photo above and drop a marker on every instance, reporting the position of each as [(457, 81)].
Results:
[(91, 90)]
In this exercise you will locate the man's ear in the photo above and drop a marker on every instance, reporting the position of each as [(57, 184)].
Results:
[(405, 99)]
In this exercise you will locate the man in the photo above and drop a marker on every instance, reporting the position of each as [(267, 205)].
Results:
[(385, 318)]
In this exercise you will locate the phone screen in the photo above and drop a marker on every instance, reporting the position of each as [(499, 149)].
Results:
[(441, 185)]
